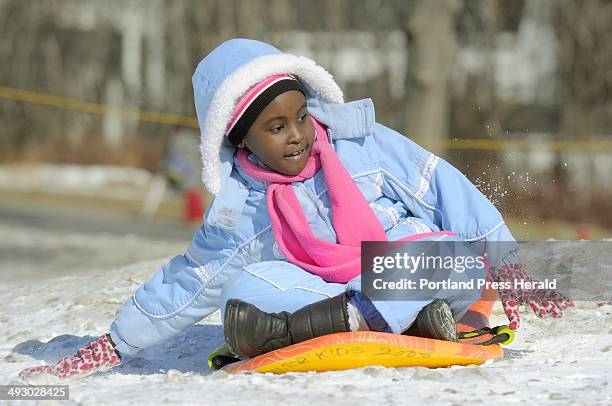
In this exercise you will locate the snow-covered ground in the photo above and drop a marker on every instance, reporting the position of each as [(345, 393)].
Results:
[(120, 182), (61, 287), (45, 317)]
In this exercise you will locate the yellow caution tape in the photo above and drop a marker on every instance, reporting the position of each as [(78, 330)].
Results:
[(95, 108), (66, 103)]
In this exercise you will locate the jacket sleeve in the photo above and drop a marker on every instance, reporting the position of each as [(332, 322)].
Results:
[(434, 190), (182, 292), (460, 207)]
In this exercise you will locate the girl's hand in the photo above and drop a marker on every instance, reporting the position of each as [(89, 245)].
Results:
[(543, 302), (99, 355)]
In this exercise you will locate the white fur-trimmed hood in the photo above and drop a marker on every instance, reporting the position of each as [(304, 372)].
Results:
[(225, 75)]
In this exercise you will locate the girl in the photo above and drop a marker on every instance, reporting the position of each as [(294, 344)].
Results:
[(300, 178)]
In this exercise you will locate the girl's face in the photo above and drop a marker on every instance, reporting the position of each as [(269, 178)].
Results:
[(281, 137)]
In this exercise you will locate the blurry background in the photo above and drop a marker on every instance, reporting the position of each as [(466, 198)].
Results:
[(98, 131)]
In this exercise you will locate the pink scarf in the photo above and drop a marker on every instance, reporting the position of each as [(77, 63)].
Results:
[(353, 219)]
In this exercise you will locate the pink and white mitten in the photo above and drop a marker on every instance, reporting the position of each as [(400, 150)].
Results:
[(98, 355), (543, 302)]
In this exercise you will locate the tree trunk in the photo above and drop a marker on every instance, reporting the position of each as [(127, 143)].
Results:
[(431, 53)]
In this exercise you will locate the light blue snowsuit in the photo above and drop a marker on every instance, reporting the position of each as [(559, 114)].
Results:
[(234, 254)]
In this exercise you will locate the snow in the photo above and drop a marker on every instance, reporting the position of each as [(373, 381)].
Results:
[(45, 317), (61, 289), (114, 181)]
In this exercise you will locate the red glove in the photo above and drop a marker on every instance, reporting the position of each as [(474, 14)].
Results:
[(99, 355), (543, 302)]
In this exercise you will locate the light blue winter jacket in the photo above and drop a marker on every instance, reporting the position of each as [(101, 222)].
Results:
[(409, 189)]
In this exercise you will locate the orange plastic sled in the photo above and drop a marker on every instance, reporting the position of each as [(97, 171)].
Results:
[(342, 351)]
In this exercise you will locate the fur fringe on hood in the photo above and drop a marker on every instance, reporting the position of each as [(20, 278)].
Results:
[(215, 114)]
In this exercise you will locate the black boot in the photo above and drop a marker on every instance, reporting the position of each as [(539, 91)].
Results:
[(250, 332), (435, 321)]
